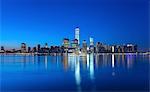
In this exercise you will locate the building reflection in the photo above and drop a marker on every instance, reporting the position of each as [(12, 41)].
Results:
[(118, 60), (105, 60), (84, 61), (2, 58), (23, 60), (33, 59), (97, 59), (38, 60), (58, 59), (113, 60), (74, 64), (92, 66), (123, 60), (65, 62), (45, 61), (113, 64), (53, 58), (88, 61), (129, 61), (71, 62), (77, 72)]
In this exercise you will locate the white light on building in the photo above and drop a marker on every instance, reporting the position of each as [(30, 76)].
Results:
[(91, 41), (113, 49), (128, 45), (77, 34)]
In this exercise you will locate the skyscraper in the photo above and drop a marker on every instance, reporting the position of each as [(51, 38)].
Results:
[(77, 34), (2, 49), (98, 45), (91, 41), (84, 47), (91, 45), (29, 49), (46, 45), (112, 49), (38, 47), (66, 43), (23, 47), (74, 43)]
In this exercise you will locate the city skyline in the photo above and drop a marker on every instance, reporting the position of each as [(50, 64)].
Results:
[(89, 42), (50, 21), (71, 43), (74, 46)]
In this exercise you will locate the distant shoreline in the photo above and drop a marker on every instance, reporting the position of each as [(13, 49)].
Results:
[(55, 54)]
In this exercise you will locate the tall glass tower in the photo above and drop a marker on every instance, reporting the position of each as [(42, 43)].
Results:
[(91, 41), (77, 33)]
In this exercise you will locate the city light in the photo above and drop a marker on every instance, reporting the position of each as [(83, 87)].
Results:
[(73, 46)]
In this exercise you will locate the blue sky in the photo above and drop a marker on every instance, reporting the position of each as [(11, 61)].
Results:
[(40, 21)]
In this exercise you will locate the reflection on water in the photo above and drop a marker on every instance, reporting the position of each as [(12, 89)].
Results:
[(72, 62), (77, 72), (113, 64), (88, 61), (65, 62), (130, 61), (45, 62), (113, 60), (92, 66), (90, 70)]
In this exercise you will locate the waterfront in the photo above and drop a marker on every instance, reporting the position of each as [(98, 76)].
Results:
[(104, 72)]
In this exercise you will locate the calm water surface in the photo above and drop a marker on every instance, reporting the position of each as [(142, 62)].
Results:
[(73, 73)]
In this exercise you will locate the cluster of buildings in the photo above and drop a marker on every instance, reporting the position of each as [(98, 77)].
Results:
[(74, 46)]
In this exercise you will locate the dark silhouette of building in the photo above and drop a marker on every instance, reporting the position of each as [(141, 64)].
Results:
[(29, 49), (38, 48), (2, 49), (34, 50)]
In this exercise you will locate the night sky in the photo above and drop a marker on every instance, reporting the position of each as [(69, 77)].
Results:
[(40, 21)]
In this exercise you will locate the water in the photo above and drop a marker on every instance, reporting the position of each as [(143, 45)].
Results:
[(105, 72)]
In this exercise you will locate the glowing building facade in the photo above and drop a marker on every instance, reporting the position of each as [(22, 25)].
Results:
[(77, 34)]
